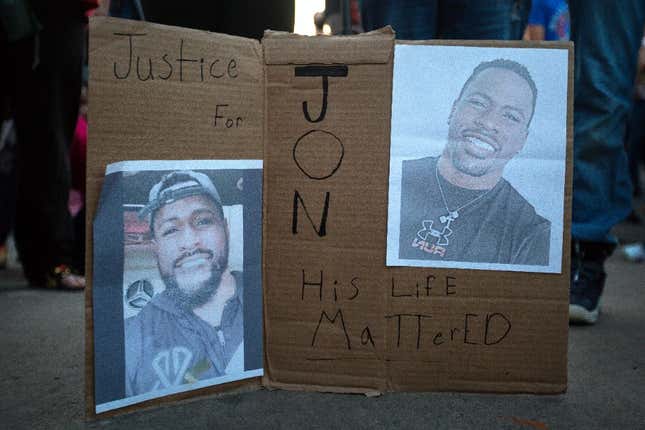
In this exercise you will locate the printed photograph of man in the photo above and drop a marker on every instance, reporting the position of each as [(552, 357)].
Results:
[(177, 278), (457, 205), (192, 330)]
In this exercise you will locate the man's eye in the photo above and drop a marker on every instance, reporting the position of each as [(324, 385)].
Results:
[(204, 221), (512, 117), (476, 103), (168, 231)]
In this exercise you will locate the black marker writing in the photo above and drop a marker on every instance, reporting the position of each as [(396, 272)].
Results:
[(339, 316), (325, 72), (422, 289), (398, 322), (297, 201), (366, 336), (340, 290), (225, 121), (306, 283), (304, 154), (147, 69), (489, 319), (129, 36)]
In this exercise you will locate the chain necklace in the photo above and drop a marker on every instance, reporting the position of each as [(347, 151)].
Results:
[(454, 214), (451, 215)]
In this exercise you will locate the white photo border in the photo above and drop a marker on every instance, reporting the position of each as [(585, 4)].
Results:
[(426, 81)]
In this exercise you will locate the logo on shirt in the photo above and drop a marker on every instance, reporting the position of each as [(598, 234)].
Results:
[(423, 239), (171, 365)]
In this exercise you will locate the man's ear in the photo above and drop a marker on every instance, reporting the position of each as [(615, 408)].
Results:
[(524, 139), (452, 110)]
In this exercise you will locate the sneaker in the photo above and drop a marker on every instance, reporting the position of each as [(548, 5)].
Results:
[(587, 280), (634, 252)]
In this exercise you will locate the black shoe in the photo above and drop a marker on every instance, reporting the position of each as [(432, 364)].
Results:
[(587, 280)]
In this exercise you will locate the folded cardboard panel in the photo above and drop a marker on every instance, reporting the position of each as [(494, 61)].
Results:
[(338, 319), (166, 93), (318, 110)]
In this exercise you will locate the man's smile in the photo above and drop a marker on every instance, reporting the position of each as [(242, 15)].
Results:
[(480, 145), (194, 260)]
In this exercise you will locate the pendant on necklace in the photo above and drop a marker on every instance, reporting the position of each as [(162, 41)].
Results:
[(452, 215)]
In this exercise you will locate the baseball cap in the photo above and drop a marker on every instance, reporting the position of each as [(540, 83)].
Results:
[(179, 185)]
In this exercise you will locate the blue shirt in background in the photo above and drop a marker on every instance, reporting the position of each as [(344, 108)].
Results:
[(553, 15)]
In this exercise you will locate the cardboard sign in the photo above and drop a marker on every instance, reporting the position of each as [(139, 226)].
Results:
[(336, 317), (159, 93)]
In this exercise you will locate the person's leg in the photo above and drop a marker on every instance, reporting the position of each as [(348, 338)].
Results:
[(79, 248), (7, 179), (607, 36), (483, 19), (411, 19), (28, 116), (46, 107), (454, 19), (635, 140)]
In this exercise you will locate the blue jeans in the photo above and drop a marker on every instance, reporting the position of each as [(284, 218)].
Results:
[(451, 19), (607, 35), (636, 143)]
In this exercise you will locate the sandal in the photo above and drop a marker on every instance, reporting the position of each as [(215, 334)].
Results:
[(63, 278)]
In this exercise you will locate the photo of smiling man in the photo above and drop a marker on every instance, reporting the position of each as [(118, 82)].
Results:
[(195, 326), (190, 311), (457, 206)]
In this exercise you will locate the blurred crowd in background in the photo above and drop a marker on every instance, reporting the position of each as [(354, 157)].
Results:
[(43, 106)]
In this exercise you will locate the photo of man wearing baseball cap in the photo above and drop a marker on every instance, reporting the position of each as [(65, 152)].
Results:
[(190, 240), (185, 239)]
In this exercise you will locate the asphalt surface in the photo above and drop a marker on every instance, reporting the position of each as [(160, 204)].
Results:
[(42, 377)]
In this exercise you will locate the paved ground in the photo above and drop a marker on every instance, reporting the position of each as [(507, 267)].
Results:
[(41, 382)]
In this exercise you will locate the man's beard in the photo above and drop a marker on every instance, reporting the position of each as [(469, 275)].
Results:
[(463, 162), (471, 168), (203, 293)]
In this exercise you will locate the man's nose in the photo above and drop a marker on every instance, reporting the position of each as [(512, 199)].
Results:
[(488, 119), (189, 238)]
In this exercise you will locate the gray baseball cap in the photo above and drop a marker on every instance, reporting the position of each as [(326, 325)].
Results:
[(179, 185)]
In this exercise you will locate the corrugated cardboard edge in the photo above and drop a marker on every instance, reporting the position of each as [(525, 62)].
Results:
[(265, 143), (568, 204), (95, 182), (369, 392), (225, 390), (289, 48), (520, 388)]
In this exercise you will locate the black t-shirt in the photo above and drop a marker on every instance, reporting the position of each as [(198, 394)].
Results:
[(495, 226)]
